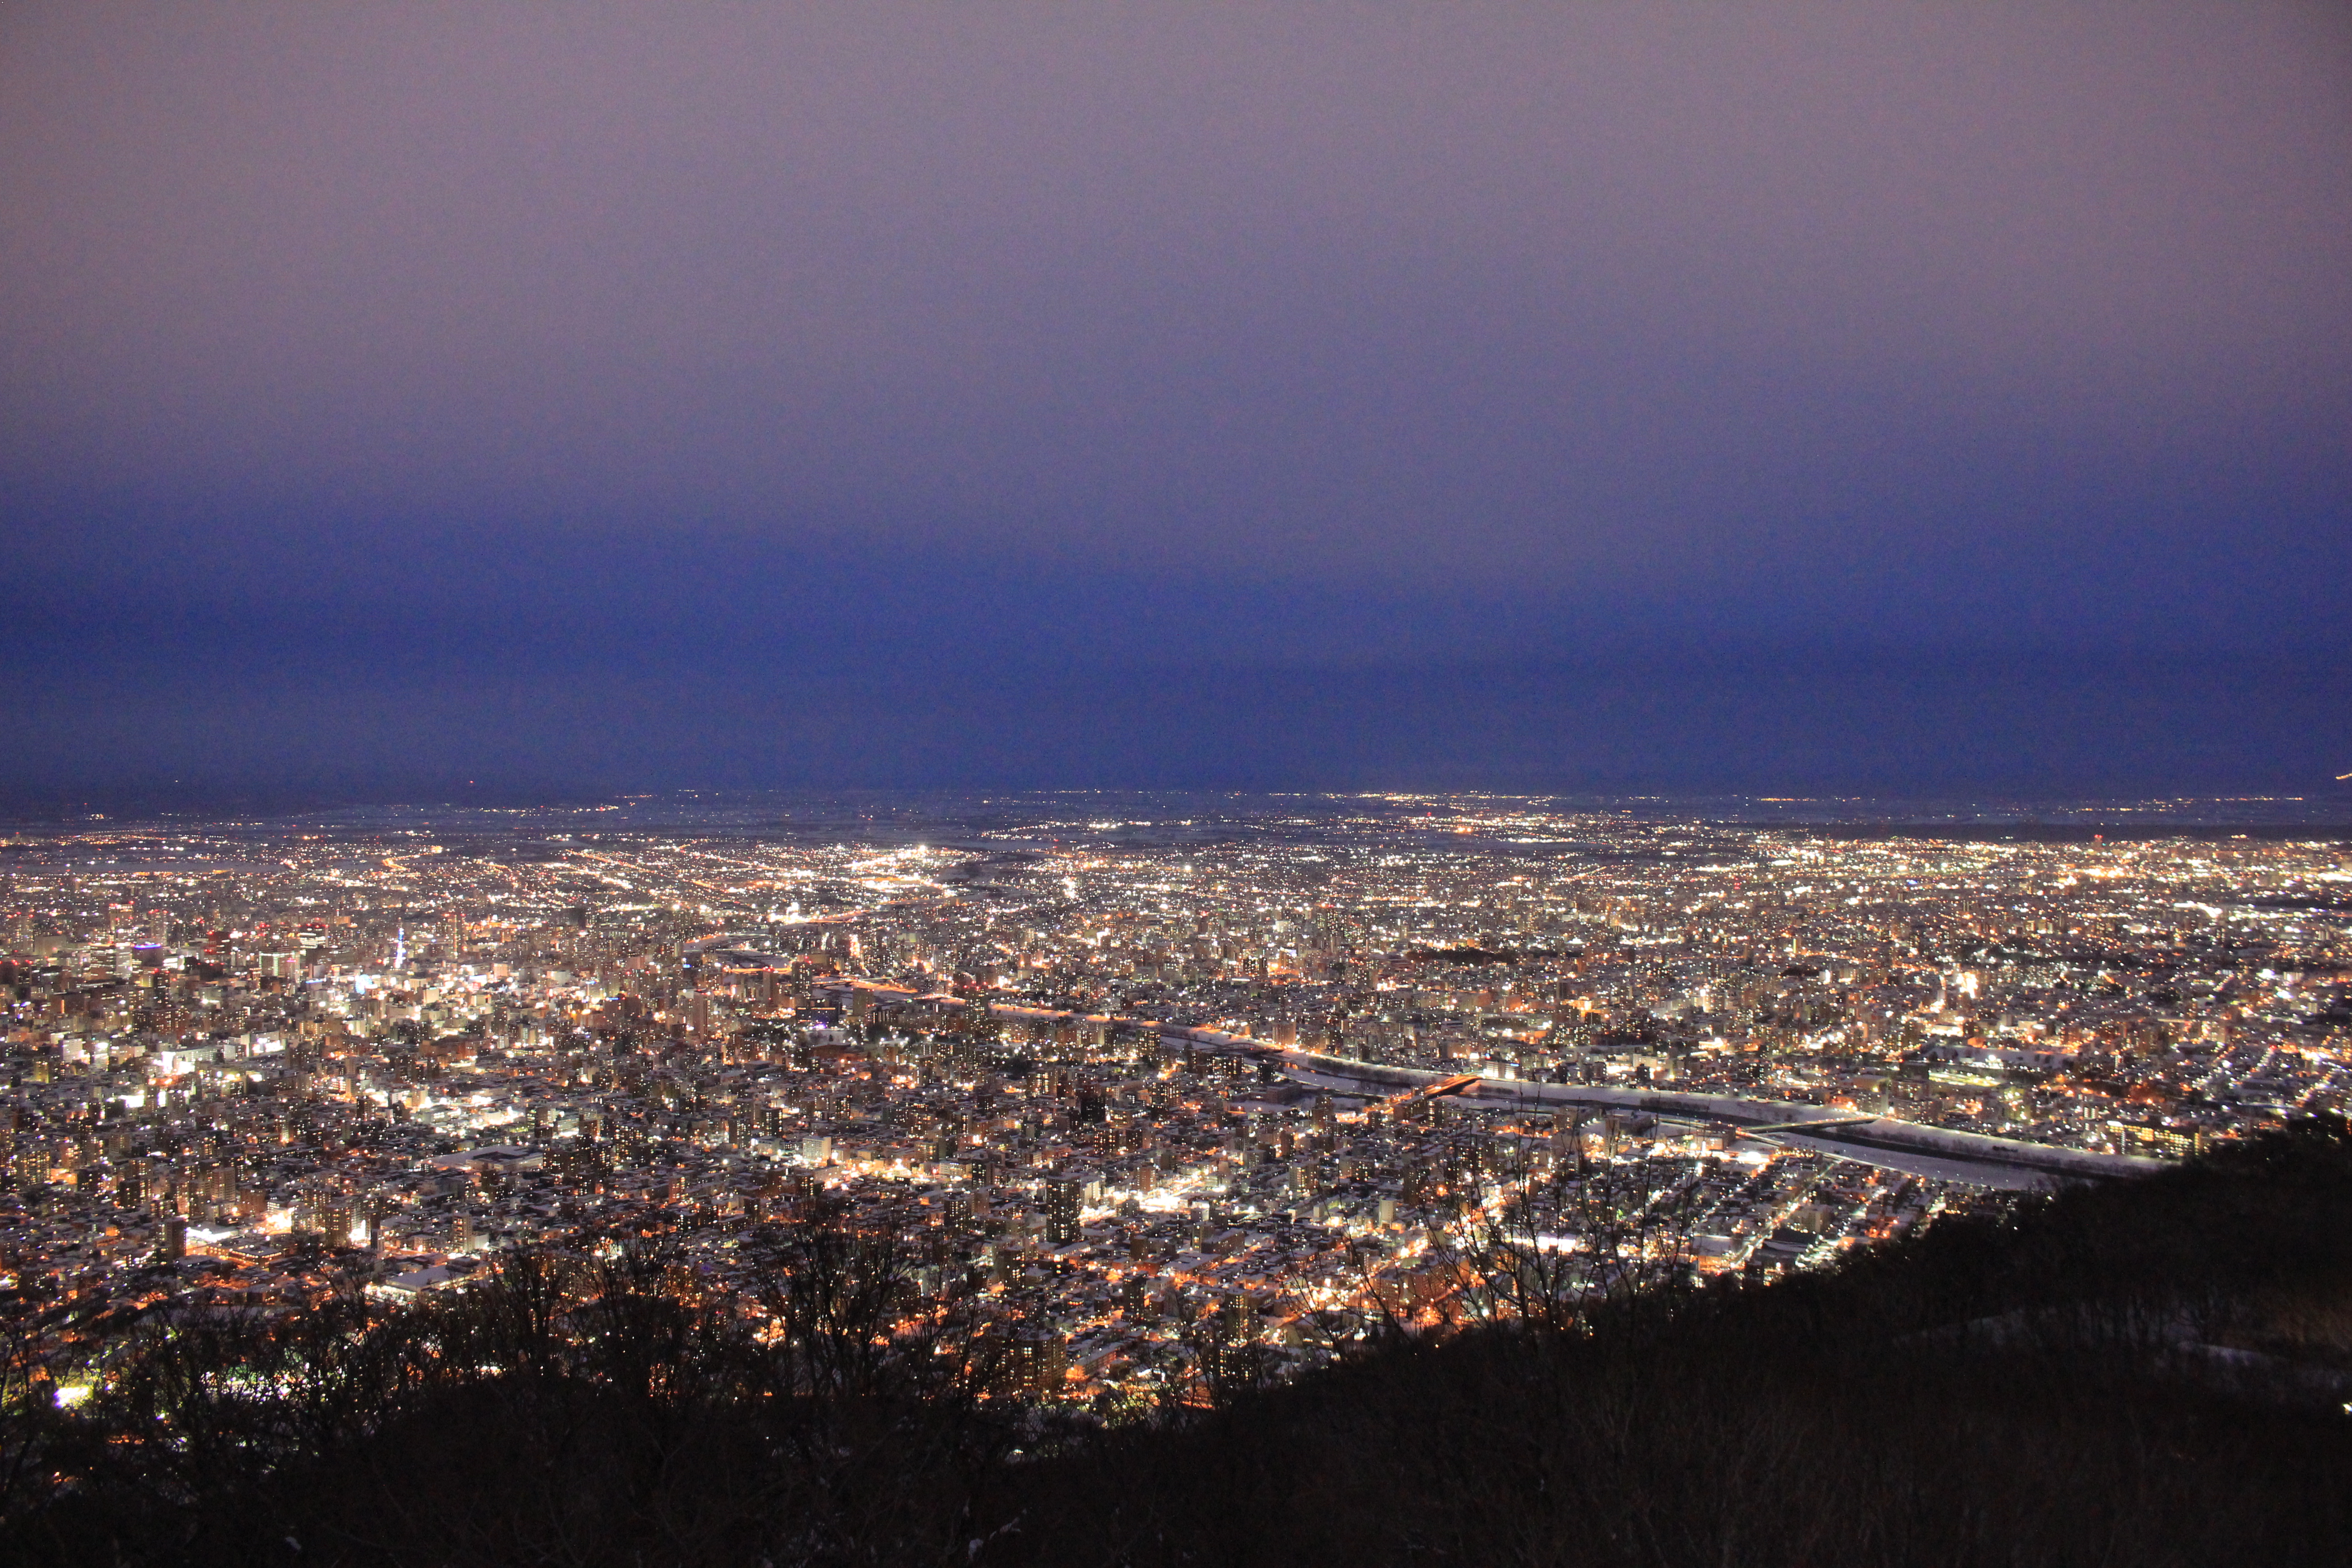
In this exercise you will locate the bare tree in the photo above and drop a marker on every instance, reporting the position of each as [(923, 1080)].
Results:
[(1593, 1238), (1350, 1315), (30, 1320), (847, 1318)]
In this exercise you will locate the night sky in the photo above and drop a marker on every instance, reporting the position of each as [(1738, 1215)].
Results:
[(400, 399)]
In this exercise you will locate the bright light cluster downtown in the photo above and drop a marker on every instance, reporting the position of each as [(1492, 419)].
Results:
[(1162, 1090)]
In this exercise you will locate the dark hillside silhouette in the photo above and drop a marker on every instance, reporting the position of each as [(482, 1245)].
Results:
[(2151, 1374)]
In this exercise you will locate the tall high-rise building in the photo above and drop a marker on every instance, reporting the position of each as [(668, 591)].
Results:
[(1062, 1199)]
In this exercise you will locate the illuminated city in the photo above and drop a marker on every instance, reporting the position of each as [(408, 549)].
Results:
[(1142, 1091), (1157, 786)]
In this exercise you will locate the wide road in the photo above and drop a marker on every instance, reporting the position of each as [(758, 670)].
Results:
[(1886, 1142)]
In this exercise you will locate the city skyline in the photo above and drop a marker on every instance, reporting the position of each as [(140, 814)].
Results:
[(1201, 1079)]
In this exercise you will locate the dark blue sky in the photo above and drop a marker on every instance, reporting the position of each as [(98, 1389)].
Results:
[(1636, 395)]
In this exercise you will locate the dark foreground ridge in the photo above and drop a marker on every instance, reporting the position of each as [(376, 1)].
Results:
[(2146, 1373)]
